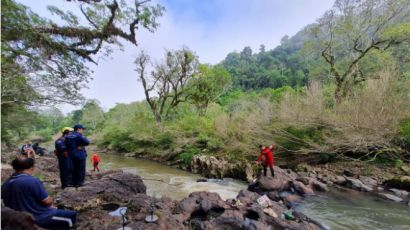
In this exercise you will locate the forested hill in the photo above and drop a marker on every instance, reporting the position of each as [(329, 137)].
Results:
[(296, 60), (338, 89), (283, 65)]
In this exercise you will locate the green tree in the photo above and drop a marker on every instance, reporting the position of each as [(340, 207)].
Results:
[(351, 30), (44, 61), (92, 115), (165, 87), (210, 83)]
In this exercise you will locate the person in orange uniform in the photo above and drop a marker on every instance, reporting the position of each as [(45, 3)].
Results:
[(267, 154), (95, 159)]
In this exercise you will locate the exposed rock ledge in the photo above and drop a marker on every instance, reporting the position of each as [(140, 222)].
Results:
[(200, 210)]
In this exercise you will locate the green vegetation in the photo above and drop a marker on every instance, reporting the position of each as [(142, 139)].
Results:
[(43, 61), (338, 89)]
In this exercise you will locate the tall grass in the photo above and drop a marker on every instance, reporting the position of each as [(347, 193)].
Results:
[(301, 122)]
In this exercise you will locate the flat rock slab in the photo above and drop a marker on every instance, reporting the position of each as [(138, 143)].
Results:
[(390, 197), (115, 188)]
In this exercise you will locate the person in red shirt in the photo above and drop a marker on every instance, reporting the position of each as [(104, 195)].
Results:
[(95, 159), (266, 156)]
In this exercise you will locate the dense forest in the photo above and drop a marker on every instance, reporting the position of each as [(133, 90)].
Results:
[(339, 89)]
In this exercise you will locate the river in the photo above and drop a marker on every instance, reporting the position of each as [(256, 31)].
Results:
[(336, 209)]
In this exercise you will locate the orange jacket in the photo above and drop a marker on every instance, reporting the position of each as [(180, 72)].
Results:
[(95, 158), (269, 160)]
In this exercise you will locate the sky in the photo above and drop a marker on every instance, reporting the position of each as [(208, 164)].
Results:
[(211, 28)]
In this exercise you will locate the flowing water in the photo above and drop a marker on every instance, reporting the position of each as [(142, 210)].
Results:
[(336, 209), (162, 180)]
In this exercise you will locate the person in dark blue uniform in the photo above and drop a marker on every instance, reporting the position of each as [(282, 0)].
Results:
[(75, 143), (23, 192), (65, 164)]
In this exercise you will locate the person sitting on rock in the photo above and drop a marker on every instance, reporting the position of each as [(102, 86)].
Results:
[(95, 159), (23, 192), (27, 149), (267, 154)]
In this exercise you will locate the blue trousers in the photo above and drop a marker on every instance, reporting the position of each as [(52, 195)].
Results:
[(59, 219), (78, 170), (65, 166)]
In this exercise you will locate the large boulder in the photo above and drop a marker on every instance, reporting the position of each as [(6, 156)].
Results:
[(115, 188), (200, 203), (276, 183)]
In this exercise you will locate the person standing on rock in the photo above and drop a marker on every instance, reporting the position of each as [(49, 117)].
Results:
[(23, 192), (267, 155), (75, 143), (95, 160), (65, 164)]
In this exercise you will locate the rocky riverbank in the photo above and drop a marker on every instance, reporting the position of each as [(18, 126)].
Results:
[(106, 192), (386, 182)]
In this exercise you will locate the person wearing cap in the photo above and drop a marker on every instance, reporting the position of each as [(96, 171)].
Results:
[(23, 192), (75, 143), (65, 165)]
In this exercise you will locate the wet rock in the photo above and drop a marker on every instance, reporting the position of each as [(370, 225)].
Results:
[(292, 200), (304, 180), (302, 189), (15, 220), (318, 186), (130, 155), (339, 180), (202, 180), (390, 197), (399, 192), (358, 185), (114, 188), (368, 181)]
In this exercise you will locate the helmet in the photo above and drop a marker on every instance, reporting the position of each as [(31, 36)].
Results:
[(66, 128)]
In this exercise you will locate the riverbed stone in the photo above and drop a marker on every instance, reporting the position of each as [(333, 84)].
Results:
[(200, 202), (399, 192), (368, 181), (390, 197), (340, 180), (247, 197), (318, 186), (357, 185), (302, 189)]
